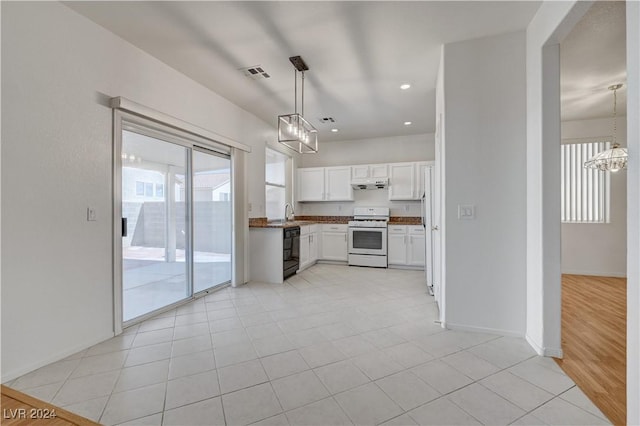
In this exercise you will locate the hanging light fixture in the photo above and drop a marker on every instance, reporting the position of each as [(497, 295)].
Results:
[(294, 131), (614, 158)]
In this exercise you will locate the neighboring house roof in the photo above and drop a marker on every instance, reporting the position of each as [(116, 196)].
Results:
[(210, 181)]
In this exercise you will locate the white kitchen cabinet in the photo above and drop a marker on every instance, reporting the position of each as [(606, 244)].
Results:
[(325, 184), (334, 242), (406, 245), (308, 246), (311, 184), (397, 245), (373, 171), (338, 184), (402, 181), (416, 247)]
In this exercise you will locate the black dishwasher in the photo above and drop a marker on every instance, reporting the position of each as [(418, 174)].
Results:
[(291, 251)]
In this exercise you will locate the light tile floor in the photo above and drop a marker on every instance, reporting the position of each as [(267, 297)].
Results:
[(333, 345)]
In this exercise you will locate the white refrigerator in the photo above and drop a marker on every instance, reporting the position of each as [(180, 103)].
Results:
[(430, 228)]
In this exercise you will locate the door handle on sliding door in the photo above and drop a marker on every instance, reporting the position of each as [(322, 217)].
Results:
[(124, 226)]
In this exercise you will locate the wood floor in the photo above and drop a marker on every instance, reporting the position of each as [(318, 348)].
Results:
[(19, 409), (594, 340)]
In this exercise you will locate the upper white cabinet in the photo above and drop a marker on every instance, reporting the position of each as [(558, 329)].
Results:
[(338, 184), (311, 184), (369, 171), (402, 181), (325, 184), (406, 180)]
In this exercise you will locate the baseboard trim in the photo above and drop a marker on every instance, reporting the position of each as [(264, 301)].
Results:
[(548, 352), (12, 375), (497, 331), (596, 274)]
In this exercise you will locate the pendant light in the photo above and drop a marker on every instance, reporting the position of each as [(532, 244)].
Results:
[(612, 159), (294, 131)]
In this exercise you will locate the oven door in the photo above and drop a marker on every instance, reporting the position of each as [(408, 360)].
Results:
[(368, 241)]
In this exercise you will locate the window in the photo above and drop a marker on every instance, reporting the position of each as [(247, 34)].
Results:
[(159, 190), (584, 192), (140, 188), (275, 183)]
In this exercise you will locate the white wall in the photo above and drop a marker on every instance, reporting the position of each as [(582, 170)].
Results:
[(552, 20), (372, 151), (58, 71), (598, 248), (633, 214), (368, 151), (485, 161)]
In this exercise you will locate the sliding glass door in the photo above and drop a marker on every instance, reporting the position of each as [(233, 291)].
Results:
[(176, 220), (211, 220)]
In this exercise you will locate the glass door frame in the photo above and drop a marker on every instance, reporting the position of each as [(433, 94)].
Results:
[(123, 120), (204, 150)]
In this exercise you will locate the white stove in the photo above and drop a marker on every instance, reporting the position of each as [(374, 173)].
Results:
[(368, 237)]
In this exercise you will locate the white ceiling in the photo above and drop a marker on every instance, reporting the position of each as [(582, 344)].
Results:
[(593, 58), (358, 52)]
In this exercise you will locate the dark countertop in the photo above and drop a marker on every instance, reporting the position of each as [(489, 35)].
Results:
[(261, 222)]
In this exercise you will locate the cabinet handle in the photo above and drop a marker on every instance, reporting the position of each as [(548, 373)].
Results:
[(345, 238), (434, 228)]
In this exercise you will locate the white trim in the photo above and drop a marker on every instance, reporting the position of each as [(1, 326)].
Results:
[(596, 273), (548, 352), (496, 331), (60, 356), (125, 104)]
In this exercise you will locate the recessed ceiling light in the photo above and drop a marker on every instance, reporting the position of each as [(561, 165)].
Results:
[(407, 123), (334, 130), (405, 86)]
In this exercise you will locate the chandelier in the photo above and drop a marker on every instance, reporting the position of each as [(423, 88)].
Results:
[(614, 158), (294, 131)]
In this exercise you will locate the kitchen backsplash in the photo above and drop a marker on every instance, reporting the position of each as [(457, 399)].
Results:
[(362, 198)]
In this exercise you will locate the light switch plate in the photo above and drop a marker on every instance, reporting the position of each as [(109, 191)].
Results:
[(91, 214), (466, 211)]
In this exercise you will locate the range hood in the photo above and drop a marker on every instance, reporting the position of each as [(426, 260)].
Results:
[(370, 183)]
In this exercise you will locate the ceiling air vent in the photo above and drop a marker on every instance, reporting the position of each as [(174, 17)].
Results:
[(255, 72), (327, 120)]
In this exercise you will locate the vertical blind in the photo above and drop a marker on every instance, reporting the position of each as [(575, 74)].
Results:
[(584, 192)]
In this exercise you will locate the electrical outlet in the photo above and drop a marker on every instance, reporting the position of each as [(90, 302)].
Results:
[(466, 211), (339, 207), (406, 207), (250, 206), (91, 214)]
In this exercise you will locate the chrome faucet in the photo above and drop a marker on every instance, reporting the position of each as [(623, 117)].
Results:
[(285, 211)]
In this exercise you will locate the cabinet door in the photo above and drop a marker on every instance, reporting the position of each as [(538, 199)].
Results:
[(420, 171), (311, 184), (338, 184), (334, 246), (401, 181), (359, 172), (304, 251), (397, 249), (416, 250), (313, 247), (378, 171)]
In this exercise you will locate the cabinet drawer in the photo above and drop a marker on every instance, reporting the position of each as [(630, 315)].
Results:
[(416, 229), (397, 229), (335, 227), (314, 228), (305, 229)]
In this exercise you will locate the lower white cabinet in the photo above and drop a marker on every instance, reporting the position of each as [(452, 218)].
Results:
[(406, 245), (308, 246), (334, 242)]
